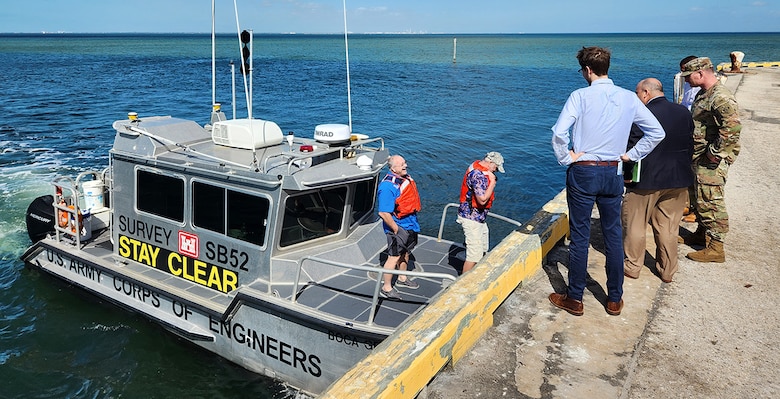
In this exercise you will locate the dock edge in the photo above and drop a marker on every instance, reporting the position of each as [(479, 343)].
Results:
[(404, 363)]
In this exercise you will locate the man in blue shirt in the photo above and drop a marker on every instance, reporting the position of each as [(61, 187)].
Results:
[(598, 120), (398, 202)]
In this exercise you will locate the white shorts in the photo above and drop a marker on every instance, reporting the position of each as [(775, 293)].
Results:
[(477, 238)]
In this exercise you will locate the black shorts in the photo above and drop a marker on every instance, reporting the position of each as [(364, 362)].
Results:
[(401, 242)]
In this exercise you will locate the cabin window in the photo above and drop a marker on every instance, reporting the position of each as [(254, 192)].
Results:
[(313, 215), (232, 213), (247, 217), (160, 195), (208, 209), (363, 204)]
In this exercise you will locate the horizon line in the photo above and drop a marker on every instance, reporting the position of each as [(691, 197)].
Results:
[(376, 33)]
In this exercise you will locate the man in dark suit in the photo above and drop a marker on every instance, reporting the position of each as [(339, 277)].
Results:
[(659, 195)]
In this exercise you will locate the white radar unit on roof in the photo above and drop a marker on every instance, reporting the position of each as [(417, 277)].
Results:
[(246, 134), (332, 133)]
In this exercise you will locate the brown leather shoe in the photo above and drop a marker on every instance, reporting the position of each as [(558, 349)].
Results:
[(570, 305), (630, 276), (614, 308)]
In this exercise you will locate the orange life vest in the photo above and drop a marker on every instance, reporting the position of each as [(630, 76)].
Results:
[(409, 201), (464, 188), (62, 216), (65, 218)]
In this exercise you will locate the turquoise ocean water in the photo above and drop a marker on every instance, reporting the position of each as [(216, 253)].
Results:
[(62, 92)]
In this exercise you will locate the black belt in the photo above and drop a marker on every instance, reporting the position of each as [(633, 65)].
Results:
[(597, 163)]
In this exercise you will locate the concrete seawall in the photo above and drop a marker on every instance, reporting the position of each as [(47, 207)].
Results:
[(710, 333), (402, 365)]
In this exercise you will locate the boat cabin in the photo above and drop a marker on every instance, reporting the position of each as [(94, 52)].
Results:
[(217, 207)]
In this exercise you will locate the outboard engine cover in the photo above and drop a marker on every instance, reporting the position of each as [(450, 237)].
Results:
[(40, 218)]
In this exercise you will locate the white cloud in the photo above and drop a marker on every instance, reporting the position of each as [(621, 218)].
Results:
[(378, 9)]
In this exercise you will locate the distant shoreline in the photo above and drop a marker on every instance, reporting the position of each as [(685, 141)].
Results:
[(154, 34)]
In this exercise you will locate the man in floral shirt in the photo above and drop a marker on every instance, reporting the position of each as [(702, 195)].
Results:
[(476, 198)]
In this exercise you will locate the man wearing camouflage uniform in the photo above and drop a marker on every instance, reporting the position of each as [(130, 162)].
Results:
[(716, 146)]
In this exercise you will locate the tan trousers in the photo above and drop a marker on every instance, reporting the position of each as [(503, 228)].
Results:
[(663, 209)]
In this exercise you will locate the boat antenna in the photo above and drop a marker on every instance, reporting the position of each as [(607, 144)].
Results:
[(213, 55), (346, 50)]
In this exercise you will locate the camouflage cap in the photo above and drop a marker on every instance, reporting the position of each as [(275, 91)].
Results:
[(696, 64), (497, 159)]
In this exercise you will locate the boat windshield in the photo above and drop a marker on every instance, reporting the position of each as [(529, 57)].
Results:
[(312, 215), (363, 203), (320, 213)]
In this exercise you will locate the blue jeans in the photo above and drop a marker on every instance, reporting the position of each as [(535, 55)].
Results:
[(586, 185)]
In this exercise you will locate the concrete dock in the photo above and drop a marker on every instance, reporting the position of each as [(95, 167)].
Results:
[(711, 333)]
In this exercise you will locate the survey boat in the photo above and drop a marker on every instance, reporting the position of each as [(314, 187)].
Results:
[(259, 246)]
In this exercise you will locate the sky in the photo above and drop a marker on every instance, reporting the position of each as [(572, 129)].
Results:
[(391, 16)]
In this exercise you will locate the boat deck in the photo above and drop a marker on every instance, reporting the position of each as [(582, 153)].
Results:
[(346, 295), (350, 294)]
